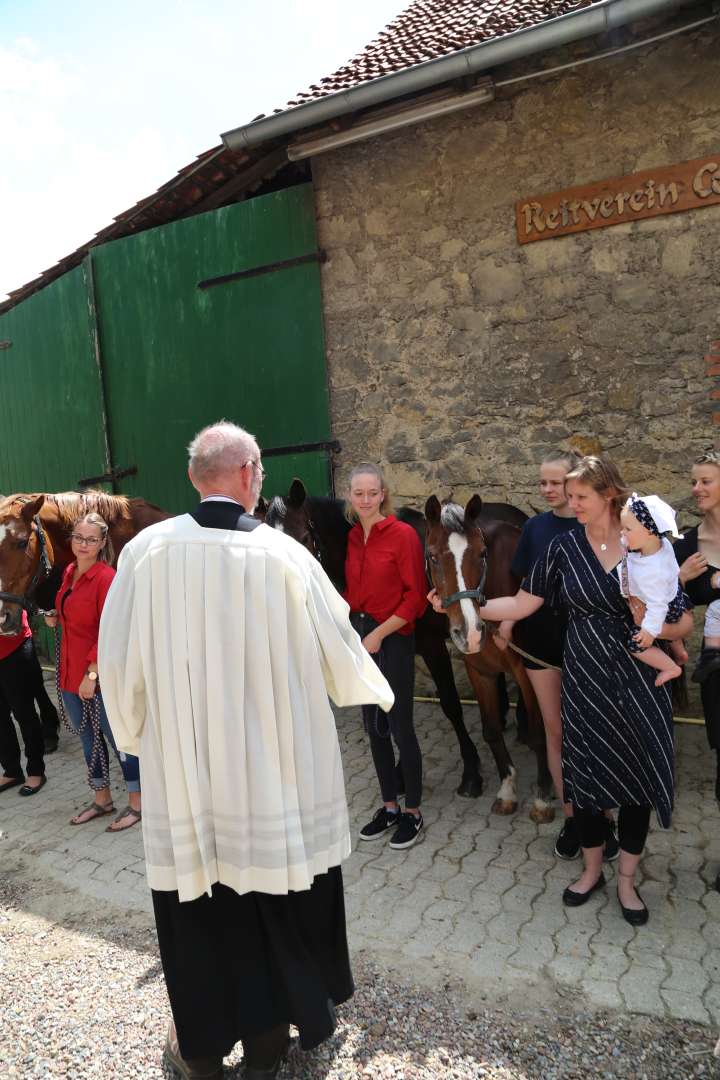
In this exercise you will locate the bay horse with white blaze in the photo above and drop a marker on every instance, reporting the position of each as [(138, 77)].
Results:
[(35, 543), (469, 560), (319, 524)]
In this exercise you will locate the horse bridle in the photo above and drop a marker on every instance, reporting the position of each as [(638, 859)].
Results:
[(477, 594), (44, 569)]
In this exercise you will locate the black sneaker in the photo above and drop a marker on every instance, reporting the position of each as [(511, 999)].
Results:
[(381, 822), (612, 845), (567, 845), (407, 831)]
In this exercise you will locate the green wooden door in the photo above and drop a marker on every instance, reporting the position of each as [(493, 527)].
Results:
[(51, 409), (177, 357)]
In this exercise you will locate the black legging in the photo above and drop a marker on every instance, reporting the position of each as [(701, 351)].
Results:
[(396, 660), (633, 825)]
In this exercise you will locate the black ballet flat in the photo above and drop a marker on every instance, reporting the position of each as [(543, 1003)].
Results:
[(27, 790), (12, 784), (577, 899), (635, 918)]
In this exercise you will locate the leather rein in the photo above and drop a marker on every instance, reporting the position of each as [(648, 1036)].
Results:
[(44, 569)]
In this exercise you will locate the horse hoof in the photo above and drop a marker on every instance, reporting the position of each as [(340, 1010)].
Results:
[(504, 807), (542, 813), (471, 787)]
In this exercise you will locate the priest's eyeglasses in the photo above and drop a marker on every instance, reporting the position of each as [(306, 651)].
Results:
[(255, 465)]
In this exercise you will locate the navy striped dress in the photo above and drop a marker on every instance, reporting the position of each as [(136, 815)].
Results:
[(617, 734)]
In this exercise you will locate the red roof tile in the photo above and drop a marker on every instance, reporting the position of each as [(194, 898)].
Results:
[(429, 29)]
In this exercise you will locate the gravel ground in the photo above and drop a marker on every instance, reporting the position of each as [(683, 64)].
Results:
[(83, 997)]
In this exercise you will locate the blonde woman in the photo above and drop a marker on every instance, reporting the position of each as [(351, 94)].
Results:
[(386, 586), (617, 738), (79, 603)]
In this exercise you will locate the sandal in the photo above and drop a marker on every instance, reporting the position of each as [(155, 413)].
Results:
[(128, 811), (100, 811)]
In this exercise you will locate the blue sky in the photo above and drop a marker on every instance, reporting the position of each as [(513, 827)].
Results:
[(102, 103)]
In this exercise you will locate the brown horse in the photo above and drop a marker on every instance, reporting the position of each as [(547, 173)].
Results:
[(469, 559), (35, 542)]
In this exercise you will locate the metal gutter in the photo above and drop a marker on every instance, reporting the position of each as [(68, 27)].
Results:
[(587, 22)]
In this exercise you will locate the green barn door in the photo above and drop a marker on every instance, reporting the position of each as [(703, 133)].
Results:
[(181, 349)]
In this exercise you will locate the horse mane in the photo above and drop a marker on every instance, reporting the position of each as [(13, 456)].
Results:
[(72, 505), (276, 511), (452, 517)]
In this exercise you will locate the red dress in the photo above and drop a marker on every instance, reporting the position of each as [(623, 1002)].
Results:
[(386, 575), (79, 608)]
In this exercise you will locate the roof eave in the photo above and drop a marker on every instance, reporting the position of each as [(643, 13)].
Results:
[(585, 22)]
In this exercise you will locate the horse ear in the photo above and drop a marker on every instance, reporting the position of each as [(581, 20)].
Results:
[(261, 508), (473, 510), (432, 510), (297, 493), (30, 509)]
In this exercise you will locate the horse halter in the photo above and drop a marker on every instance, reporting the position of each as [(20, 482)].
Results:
[(43, 571), (477, 594)]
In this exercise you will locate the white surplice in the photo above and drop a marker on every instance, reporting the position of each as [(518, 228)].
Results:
[(217, 652)]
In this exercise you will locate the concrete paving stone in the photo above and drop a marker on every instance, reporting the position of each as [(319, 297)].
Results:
[(688, 976), (532, 872), (568, 970), (711, 964), (484, 903), (509, 858), (441, 910), (688, 886), (603, 993), (442, 869), (490, 959), (657, 868), (685, 1006), (488, 841), (711, 903), (519, 898), (688, 944), (369, 882), (688, 913), (498, 879), (608, 961), (641, 991), (534, 951), (458, 847), (575, 940), (505, 927), (428, 943), (467, 935), (547, 921), (711, 933)]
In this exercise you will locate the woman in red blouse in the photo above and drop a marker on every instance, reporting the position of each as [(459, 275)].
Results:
[(386, 589), (79, 604)]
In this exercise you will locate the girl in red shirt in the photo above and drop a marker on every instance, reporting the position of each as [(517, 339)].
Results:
[(386, 587), (79, 604)]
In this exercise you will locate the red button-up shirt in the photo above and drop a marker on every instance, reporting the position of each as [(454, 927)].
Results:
[(79, 607), (386, 575), (10, 642)]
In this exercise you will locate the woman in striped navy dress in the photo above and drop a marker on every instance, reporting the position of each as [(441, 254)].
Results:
[(617, 740)]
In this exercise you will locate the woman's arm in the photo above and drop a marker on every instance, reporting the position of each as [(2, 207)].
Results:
[(374, 639), (512, 608)]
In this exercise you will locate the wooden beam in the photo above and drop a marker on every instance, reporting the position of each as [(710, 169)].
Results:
[(229, 190)]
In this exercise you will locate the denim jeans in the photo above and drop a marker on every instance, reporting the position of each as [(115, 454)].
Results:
[(130, 765)]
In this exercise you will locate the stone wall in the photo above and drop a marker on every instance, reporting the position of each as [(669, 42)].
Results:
[(458, 357)]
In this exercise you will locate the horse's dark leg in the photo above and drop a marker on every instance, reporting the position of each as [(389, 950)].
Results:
[(485, 687), (541, 810), (522, 720), (434, 652), (503, 699)]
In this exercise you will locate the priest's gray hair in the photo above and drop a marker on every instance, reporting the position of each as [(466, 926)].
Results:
[(219, 449)]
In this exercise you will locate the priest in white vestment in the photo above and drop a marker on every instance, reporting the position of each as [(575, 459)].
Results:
[(219, 643)]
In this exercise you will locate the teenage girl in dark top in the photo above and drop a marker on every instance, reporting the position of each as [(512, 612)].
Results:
[(543, 634)]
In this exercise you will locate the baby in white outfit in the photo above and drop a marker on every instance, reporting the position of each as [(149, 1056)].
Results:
[(649, 572)]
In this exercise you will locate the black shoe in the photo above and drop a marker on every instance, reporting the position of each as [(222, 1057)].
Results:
[(567, 845), (407, 831), (612, 844), (382, 821), (708, 663), (635, 918), (577, 899), (27, 790), (269, 1073)]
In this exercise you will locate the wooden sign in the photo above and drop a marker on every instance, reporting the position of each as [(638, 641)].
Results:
[(668, 190)]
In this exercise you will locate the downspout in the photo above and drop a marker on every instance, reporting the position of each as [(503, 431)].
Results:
[(587, 22)]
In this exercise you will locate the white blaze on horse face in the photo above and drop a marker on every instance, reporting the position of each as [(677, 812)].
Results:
[(458, 546)]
